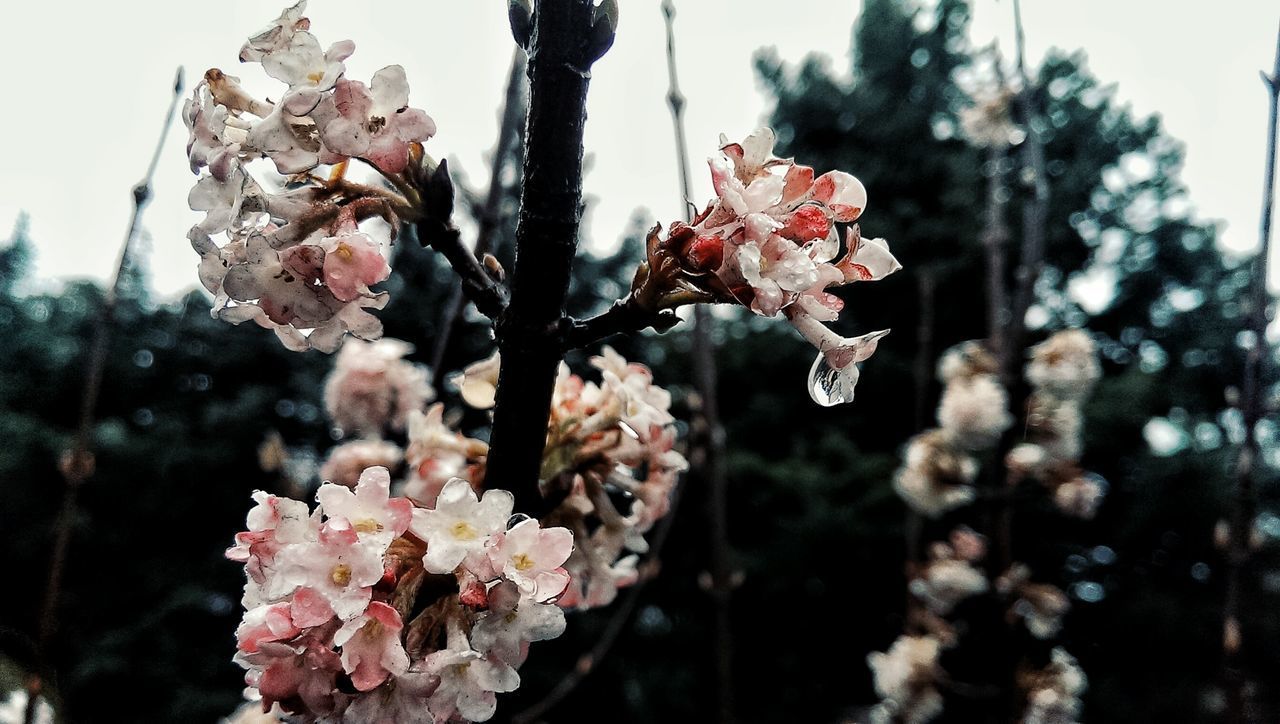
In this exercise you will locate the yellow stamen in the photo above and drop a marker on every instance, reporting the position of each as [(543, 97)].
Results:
[(462, 530), (340, 575), (522, 562)]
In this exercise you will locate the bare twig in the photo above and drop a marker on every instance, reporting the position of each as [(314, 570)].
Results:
[(490, 213), (77, 464), (709, 460), (1244, 503), (1034, 213)]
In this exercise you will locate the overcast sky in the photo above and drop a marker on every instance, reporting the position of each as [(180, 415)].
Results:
[(87, 88)]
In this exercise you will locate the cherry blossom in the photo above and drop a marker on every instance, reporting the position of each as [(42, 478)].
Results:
[(974, 412), (437, 454), (531, 557), (512, 621), (373, 387), (469, 681), (347, 461), (370, 510), (460, 525), (336, 566), (1065, 365), (373, 122), (906, 678), (371, 648)]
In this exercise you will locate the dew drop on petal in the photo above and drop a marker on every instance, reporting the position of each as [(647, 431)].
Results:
[(830, 386)]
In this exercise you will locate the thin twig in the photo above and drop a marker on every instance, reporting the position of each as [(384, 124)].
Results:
[(78, 464), (490, 216), (709, 462), (1244, 504)]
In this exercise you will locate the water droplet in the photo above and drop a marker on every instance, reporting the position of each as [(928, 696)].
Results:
[(830, 386)]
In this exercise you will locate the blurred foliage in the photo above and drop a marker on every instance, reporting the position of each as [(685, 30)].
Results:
[(150, 605)]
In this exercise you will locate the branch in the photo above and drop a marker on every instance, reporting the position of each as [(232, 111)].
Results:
[(77, 464), (589, 661), (626, 316), (1244, 504), (481, 287), (490, 215), (1034, 215), (708, 440), (563, 44)]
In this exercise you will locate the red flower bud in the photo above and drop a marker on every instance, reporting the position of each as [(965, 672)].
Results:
[(806, 224)]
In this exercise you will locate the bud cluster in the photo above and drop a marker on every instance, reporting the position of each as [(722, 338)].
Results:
[(771, 241)]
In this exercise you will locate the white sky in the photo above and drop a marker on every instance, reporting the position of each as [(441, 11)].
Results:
[(80, 120)]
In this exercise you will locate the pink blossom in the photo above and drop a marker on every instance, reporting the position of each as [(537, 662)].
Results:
[(512, 622), (336, 566), (371, 648), (435, 455), (376, 517), (301, 675), (346, 461), (352, 262), (468, 683), (374, 122), (532, 557), (373, 388), (460, 525), (264, 624)]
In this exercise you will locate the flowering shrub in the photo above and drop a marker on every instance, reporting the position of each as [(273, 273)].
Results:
[(770, 241), (374, 607), (420, 606), (938, 477), (296, 256)]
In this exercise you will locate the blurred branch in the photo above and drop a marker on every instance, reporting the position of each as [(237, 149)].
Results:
[(1244, 504), (708, 458), (490, 215), (77, 464), (1034, 213), (589, 661)]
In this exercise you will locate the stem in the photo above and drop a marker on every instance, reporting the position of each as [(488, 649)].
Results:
[(590, 661), (709, 458), (1244, 504), (995, 242), (1034, 214), (560, 57), (77, 464), (490, 217)]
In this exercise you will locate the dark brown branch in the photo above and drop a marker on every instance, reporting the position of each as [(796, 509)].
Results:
[(77, 464), (490, 216), (480, 286), (626, 316), (563, 45), (1244, 502)]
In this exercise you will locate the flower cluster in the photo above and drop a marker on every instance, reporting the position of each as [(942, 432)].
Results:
[(937, 477), (1062, 372), (950, 576), (370, 608), (298, 255), (372, 387), (1053, 693), (906, 678), (610, 455), (939, 467), (771, 242)]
